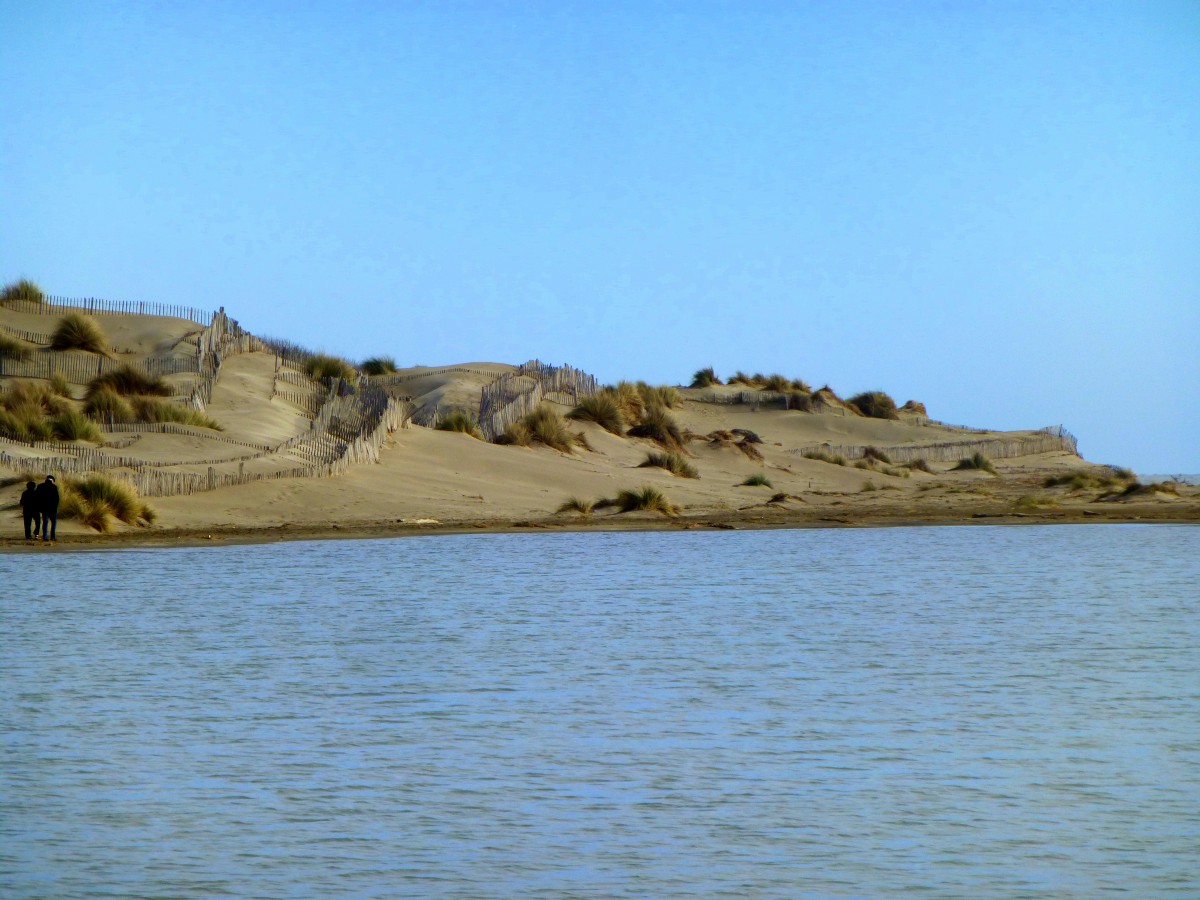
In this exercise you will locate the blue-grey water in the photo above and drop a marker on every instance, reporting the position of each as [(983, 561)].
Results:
[(942, 712)]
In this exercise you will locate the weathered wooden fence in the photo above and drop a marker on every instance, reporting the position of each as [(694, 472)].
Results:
[(507, 399), (93, 305), (1049, 440)]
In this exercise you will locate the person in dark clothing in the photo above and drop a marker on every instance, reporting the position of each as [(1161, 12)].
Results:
[(47, 495), (31, 511)]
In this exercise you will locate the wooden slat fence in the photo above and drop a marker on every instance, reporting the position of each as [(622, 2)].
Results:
[(1045, 441), (53, 305), (505, 401)]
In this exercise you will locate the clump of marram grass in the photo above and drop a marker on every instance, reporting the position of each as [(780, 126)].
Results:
[(869, 486), (705, 377), (148, 409), (379, 365), (22, 290), (1087, 481), (646, 498), (800, 401), (576, 505), (129, 381), (322, 366), (672, 462), (59, 384), (541, 426), (460, 421), (874, 404), (975, 461), (876, 454), (108, 407), (758, 479), (11, 348), (76, 331), (97, 500), (662, 395), (1034, 503), (658, 425), (835, 459), (603, 409), (919, 465), (627, 398), (72, 425)]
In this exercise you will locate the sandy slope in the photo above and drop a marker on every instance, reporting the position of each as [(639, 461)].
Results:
[(425, 475)]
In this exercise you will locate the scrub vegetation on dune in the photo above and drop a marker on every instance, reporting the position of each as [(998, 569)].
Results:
[(76, 331), (542, 426), (149, 409), (874, 405), (601, 409), (11, 348), (99, 500), (672, 462), (975, 461), (461, 422), (322, 366), (29, 410), (129, 380), (379, 365), (24, 289)]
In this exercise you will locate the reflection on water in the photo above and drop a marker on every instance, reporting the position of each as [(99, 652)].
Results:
[(947, 711)]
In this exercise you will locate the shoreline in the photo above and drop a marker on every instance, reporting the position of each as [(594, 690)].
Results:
[(741, 520)]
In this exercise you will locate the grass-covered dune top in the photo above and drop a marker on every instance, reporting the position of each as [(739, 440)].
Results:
[(765, 449)]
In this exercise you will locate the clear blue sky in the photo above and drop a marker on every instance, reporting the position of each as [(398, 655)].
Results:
[(991, 207)]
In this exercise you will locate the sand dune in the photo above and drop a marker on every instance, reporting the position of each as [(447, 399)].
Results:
[(398, 475)]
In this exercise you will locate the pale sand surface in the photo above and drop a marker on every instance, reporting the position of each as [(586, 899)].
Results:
[(429, 480)]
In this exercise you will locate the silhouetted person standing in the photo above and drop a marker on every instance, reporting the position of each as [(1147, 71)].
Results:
[(47, 494), (31, 510)]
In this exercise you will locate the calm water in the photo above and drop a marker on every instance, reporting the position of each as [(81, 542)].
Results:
[(943, 712)]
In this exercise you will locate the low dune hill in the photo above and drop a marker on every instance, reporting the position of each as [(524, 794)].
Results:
[(243, 438)]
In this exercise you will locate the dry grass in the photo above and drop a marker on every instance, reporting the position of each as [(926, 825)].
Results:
[(148, 409), (874, 404), (108, 407), (542, 426), (603, 409), (72, 425), (379, 365), (835, 459), (129, 380), (322, 366), (706, 377), (462, 422), (76, 331), (12, 348), (22, 290), (672, 462), (975, 461), (99, 500), (658, 425), (578, 506), (646, 498)]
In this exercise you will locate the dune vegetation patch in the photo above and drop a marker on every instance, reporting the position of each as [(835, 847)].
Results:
[(107, 406), (153, 410), (129, 380), (834, 459), (657, 424), (379, 365), (647, 498), (705, 377), (461, 422), (542, 426), (672, 462), (23, 290), (576, 505), (323, 366), (758, 479), (603, 409), (874, 405), (28, 410), (976, 461), (99, 500), (13, 348), (76, 331)]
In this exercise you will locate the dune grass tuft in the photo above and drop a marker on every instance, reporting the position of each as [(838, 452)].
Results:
[(129, 380), (321, 366), (706, 377), (379, 365), (758, 479), (672, 462), (22, 290), (876, 454), (646, 498), (75, 331), (835, 459), (975, 461), (72, 425), (576, 505), (919, 465), (11, 348), (1033, 503), (108, 407), (1089, 481), (662, 395), (874, 404), (603, 409), (462, 422), (97, 500), (59, 384), (658, 425), (542, 426), (149, 409)]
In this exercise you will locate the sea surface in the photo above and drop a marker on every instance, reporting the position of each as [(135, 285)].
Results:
[(936, 712)]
